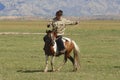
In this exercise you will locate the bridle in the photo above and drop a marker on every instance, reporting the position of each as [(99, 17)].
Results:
[(50, 40)]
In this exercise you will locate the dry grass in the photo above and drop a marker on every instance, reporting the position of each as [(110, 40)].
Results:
[(22, 56)]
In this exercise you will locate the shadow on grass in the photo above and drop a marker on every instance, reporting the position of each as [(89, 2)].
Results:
[(32, 71), (118, 67)]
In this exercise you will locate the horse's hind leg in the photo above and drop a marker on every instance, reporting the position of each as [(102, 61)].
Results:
[(65, 60), (72, 60)]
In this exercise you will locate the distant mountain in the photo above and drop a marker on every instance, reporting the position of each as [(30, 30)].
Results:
[(1, 6), (49, 7)]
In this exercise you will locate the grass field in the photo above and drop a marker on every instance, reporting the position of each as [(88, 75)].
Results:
[(22, 56)]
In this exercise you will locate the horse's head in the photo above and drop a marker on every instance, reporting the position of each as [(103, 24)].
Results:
[(50, 38)]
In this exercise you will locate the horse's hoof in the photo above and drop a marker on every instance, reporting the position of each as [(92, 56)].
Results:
[(57, 70), (74, 70), (45, 71), (53, 70)]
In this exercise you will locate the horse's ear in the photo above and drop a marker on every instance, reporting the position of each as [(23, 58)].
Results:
[(48, 31)]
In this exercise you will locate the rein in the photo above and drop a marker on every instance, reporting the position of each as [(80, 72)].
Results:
[(50, 37)]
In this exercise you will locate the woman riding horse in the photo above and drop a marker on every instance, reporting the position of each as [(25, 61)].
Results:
[(54, 40), (58, 25)]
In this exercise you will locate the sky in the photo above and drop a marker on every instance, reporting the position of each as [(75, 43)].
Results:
[(49, 7)]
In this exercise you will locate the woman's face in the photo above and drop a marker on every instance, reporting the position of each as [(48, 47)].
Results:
[(58, 17)]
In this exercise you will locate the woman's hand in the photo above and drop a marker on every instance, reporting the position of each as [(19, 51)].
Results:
[(48, 25)]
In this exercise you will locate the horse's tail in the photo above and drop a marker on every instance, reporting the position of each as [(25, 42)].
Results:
[(76, 51)]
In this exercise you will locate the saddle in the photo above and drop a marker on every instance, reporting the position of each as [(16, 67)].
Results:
[(64, 39)]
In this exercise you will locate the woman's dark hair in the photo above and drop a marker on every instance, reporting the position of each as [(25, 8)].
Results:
[(59, 13)]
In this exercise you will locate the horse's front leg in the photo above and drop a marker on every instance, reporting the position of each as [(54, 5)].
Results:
[(52, 63), (46, 66), (65, 60)]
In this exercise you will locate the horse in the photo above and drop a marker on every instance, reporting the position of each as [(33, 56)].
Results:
[(50, 49)]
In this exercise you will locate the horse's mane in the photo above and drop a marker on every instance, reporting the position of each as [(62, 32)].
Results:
[(48, 31)]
